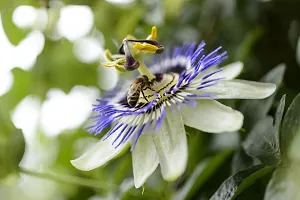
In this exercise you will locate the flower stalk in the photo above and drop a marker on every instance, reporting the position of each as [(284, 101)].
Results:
[(68, 179), (143, 70)]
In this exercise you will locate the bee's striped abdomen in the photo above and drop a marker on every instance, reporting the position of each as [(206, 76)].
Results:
[(133, 99)]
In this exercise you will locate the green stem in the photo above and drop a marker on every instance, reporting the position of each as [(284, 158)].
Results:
[(69, 179), (143, 70)]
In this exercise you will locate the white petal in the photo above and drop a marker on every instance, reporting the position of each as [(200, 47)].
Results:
[(240, 89), (212, 116), (99, 154), (171, 146), (230, 71), (144, 159)]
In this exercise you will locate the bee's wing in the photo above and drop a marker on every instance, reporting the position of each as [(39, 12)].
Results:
[(134, 88)]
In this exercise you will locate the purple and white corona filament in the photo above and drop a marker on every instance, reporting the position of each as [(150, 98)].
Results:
[(177, 81), (186, 85)]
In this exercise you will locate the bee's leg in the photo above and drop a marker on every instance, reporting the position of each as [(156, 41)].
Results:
[(144, 95), (150, 88)]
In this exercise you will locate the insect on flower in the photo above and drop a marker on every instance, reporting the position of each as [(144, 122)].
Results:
[(180, 89), (137, 87)]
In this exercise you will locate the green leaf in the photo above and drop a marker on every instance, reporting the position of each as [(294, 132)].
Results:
[(290, 126), (200, 175), (235, 184), (294, 150), (279, 113), (256, 109), (12, 148), (298, 52), (263, 143), (12, 145), (241, 161), (285, 184)]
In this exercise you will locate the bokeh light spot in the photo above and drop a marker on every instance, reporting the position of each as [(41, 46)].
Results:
[(75, 21), (24, 16), (66, 111), (108, 78), (120, 1), (6, 81), (87, 49), (28, 49), (26, 116)]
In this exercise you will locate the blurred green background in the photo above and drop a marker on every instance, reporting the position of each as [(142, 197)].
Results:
[(50, 75)]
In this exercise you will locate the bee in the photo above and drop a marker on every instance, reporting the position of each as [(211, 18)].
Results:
[(138, 86)]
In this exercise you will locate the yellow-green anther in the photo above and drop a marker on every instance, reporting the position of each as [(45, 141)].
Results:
[(149, 48), (153, 34), (114, 63), (120, 68), (160, 50), (108, 55)]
